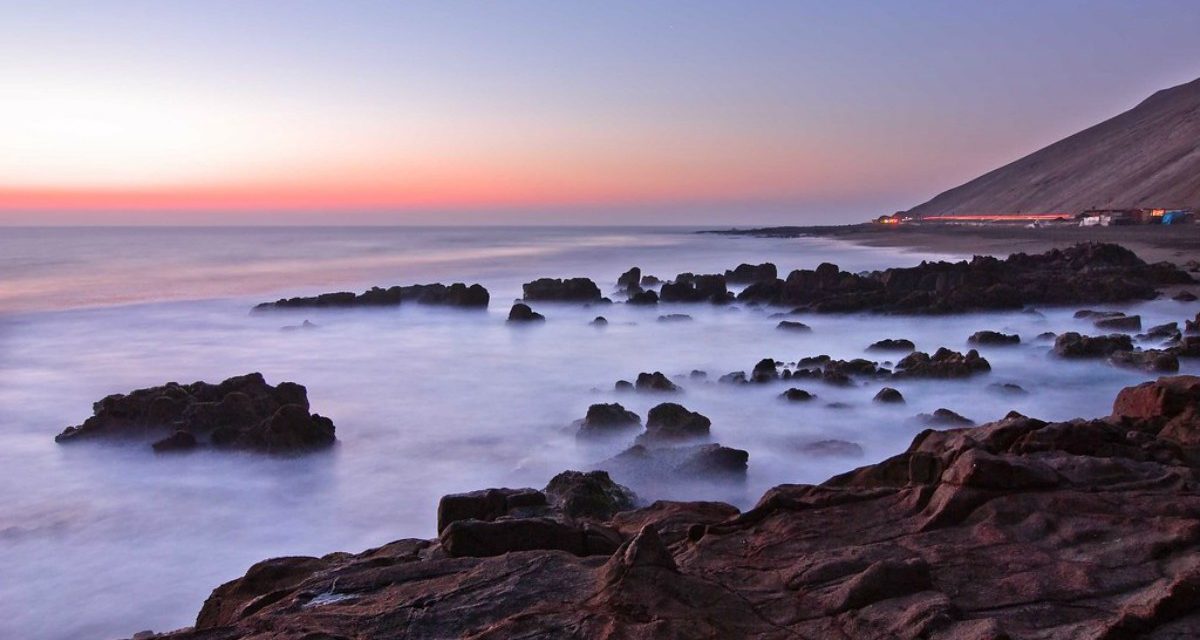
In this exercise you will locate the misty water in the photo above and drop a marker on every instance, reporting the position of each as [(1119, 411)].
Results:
[(103, 540)]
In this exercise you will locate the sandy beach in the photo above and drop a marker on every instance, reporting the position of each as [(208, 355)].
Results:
[(1153, 243)]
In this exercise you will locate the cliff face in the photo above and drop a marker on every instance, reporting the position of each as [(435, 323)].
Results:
[(1148, 156), (1016, 529)]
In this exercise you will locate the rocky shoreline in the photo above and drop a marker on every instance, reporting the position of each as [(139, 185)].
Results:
[(1015, 529)]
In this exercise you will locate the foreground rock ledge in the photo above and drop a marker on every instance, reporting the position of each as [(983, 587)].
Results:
[(1015, 529)]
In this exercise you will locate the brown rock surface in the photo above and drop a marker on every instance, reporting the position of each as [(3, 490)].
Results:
[(1015, 529)]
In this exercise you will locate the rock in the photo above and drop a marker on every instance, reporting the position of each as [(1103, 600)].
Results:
[(1074, 345), (299, 327), (623, 385), (1167, 331), (605, 420), (697, 374), (178, 441), (944, 417), (521, 312), (900, 345), (647, 297), (454, 295), (630, 280), (734, 377), (981, 533), (599, 321), (650, 281), (562, 290), (1152, 360), (993, 338), (1122, 323), (889, 395), (675, 317), (1192, 326), (766, 370), (750, 273), (1098, 315), (488, 505), (243, 412), (797, 395), (649, 465), (655, 382), (688, 287), (1008, 388), (832, 449), (944, 363), (791, 325), (1185, 296), (592, 495), (670, 422), (1046, 336)]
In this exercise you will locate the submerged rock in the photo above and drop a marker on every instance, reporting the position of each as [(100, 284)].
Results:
[(1120, 323), (1152, 360), (797, 395), (901, 345), (603, 420), (521, 313), (994, 338), (670, 422), (243, 412), (655, 382), (630, 280), (454, 295), (675, 317), (889, 395), (792, 325), (562, 290), (944, 363), (599, 321), (1074, 345), (749, 273), (944, 418), (650, 464)]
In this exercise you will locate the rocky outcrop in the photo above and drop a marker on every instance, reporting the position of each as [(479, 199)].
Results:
[(522, 313), (888, 395), (671, 422), (1120, 323), (899, 345), (1152, 360), (993, 338), (649, 465), (688, 287), (562, 290), (751, 273), (944, 363), (454, 295), (630, 280), (1085, 273), (793, 326), (1074, 345), (606, 420), (1020, 529), (243, 413), (654, 383)]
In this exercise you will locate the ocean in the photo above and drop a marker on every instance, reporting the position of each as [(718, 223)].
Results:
[(102, 540)]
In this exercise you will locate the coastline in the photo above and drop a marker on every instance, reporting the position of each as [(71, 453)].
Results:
[(1176, 244)]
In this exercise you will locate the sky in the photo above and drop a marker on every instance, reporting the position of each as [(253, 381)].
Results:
[(523, 112)]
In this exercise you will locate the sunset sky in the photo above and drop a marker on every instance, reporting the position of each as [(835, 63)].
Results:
[(242, 112)]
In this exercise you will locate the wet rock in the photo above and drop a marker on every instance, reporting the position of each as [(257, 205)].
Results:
[(1097, 315), (766, 370), (670, 422), (900, 345), (688, 287), (1046, 336), (647, 297), (750, 273), (488, 505), (604, 420), (630, 279), (1152, 360), (734, 377), (243, 412), (1167, 331), (655, 382), (696, 462), (791, 325), (944, 363), (994, 338), (592, 495), (623, 385), (675, 317), (814, 361), (797, 395), (480, 539), (697, 374), (562, 290), (1122, 323), (650, 281), (521, 312), (832, 449), (1074, 345), (599, 321), (454, 295), (889, 395), (1008, 388), (944, 418)]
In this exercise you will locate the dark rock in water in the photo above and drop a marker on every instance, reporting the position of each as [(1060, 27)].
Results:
[(675, 317), (1098, 315), (1185, 296), (697, 374), (901, 345), (688, 287), (1046, 336), (696, 462), (1008, 388), (749, 273), (670, 422), (1152, 360), (650, 281), (734, 377), (521, 312), (647, 297), (889, 395), (562, 290), (797, 395), (297, 327), (1074, 345), (993, 338), (655, 382), (1122, 323), (838, 405), (455, 295), (1186, 347), (791, 325), (1019, 528), (836, 378), (243, 412), (592, 495), (814, 361), (832, 449), (944, 363), (178, 441), (489, 504), (606, 420), (1167, 331), (1193, 325), (944, 418), (599, 321), (1090, 272), (630, 279), (766, 370)]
